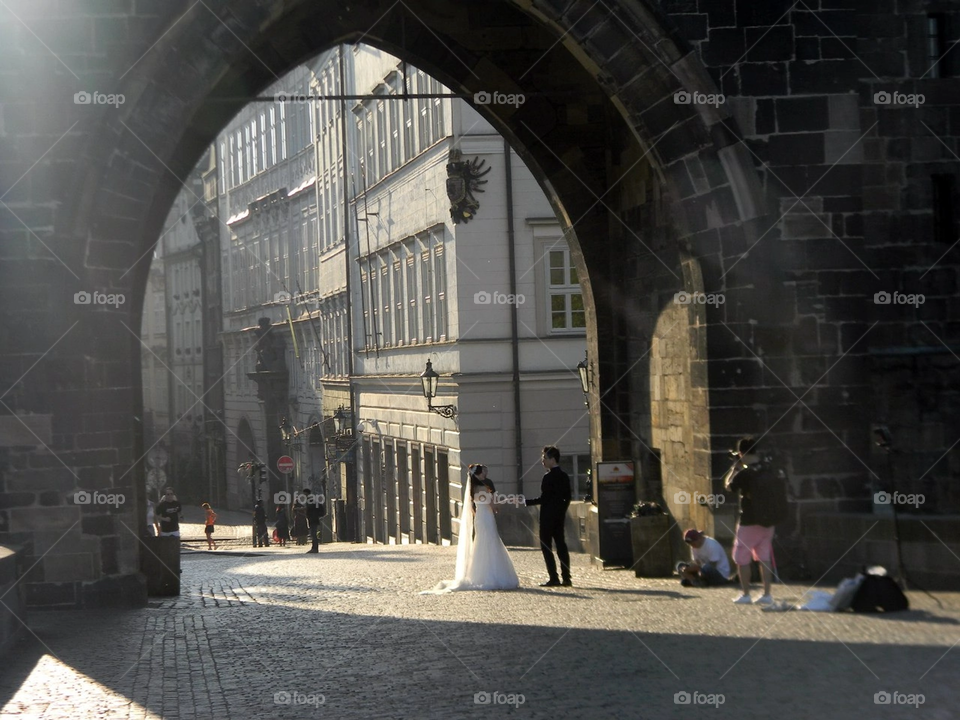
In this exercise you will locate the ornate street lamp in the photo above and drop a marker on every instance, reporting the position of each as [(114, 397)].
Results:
[(583, 370), (429, 379), (287, 432), (339, 421)]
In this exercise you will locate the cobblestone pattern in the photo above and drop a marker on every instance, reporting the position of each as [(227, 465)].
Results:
[(349, 626)]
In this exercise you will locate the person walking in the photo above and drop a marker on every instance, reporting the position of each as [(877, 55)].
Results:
[(260, 525), (168, 512), (282, 526), (300, 527), (208, 526), (554, 500), (316, 509)]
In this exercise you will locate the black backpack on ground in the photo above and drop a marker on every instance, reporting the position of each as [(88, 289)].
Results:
[(879, 593)]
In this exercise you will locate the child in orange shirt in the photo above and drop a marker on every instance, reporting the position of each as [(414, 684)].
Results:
[(208, 526)]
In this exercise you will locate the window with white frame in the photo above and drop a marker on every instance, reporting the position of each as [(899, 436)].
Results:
[(580, 473), (565, 301)]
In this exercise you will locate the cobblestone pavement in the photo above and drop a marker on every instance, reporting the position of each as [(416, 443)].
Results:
[(345, 634)]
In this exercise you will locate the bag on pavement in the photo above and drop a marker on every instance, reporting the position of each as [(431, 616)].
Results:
[(879, 593), (845, 593)]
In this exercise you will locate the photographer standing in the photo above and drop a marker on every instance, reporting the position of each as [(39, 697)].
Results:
[(754, 533)]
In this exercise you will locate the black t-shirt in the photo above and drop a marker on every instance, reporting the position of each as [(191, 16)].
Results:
[(754, 506), (168, 515)]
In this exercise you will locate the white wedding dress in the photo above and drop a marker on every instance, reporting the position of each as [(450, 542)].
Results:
[(482, 560)]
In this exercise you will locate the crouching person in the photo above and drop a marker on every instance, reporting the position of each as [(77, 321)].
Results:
[(709, 564)]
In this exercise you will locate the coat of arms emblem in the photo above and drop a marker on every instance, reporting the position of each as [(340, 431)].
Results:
[(463, 180)]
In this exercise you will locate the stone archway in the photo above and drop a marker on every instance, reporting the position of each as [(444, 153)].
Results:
[(600, 130)]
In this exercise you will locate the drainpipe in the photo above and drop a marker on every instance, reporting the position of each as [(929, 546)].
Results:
[(514, 315)]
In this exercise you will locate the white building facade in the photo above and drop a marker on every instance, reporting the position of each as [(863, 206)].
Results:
[(352, 219)]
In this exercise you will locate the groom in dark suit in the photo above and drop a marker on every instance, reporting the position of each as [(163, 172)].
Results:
[(553, 501)]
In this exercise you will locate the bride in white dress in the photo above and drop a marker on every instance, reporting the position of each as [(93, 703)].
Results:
[(482, 559)]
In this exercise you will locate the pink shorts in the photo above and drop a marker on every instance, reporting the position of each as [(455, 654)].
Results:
[(752, 541)]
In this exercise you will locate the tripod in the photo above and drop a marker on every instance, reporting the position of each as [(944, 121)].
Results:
[(884, 441)]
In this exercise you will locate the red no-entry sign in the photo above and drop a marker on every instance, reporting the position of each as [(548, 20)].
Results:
[(285, 464)]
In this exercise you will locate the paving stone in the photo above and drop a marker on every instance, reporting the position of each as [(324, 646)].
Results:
[(346, 634)]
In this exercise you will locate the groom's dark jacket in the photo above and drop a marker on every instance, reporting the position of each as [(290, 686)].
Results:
[(554, 494)]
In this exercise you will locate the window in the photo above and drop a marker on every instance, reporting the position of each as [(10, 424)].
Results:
[(262, 145), (394, 133), (423, 106), (398, 333), (239, 157), (411, 271), (370, 148), (222, 166), (437, 117), (580, 473), (283, 132), (248, 157), (255, 150), (566, 302), (409, 130), (273, 136), (386, 326), (426, 280), (440, 292), (382, 168)]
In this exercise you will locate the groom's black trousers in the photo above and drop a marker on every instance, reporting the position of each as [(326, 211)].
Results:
[(551, 531)]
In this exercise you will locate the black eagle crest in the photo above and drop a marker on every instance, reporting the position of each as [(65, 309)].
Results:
[(463, 180)]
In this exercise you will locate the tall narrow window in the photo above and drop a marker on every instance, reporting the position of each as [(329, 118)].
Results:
[(437, 117), (273, 136), (423, 108), (394, 134), (566, 302), (262, 132), (382, 168), (364, 289), (222, 164), (440, 291), (386, 299), (944, 215), (426, 292), (283, 132), (398, 336), (247, 154), (255, 149), (411, 270)]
